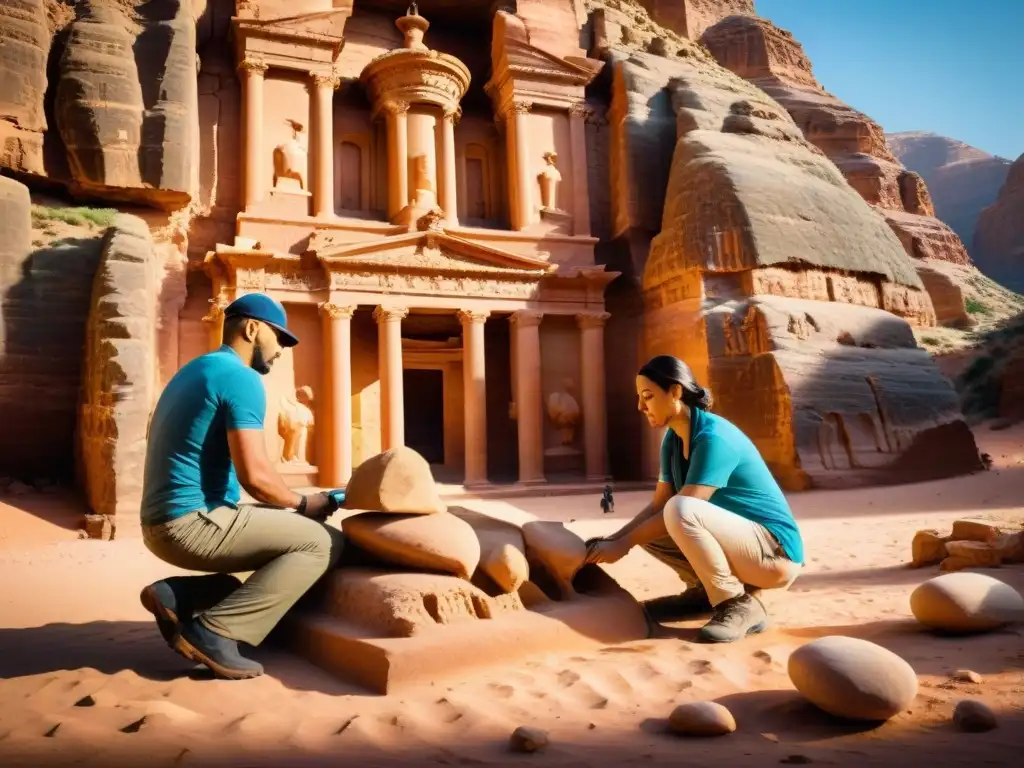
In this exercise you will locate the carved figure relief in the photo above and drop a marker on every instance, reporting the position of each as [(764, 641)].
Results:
[(424, 195), (290, 160), (549, 179), (564, 411), (295, 425)]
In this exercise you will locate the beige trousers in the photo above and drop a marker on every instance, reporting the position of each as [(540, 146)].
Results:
[(719, 549), (287, 552)]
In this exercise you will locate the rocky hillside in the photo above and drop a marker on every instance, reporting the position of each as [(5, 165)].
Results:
[(775, 62), (962, 179), (999, 235)]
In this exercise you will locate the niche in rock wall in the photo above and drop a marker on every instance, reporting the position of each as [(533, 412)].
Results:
[(294, 400), (365, 387), (479, 177), (285, 151), (550, 160), (561, 396), (352, 176)]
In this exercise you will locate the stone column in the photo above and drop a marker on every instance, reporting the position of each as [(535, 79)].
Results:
[(398, 156), (521, 194), (580, 185), (336, 394), (449, 196), (389, 363), (214, 322), (592, 373), (253, 70), (474, 388), (323, 155), (529, 416)]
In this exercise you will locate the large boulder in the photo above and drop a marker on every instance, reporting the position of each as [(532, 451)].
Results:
[(440, 542), (853, 678), (966, 602), (24, 46), (397, 480), (502, 550), (556, 551)]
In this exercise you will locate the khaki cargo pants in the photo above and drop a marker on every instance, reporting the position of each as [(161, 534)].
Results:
[(287, 552), (719, 549)]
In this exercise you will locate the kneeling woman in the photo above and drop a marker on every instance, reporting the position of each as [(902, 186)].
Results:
[(718, 518)]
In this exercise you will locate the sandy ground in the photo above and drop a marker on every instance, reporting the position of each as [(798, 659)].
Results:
[(86, 680)]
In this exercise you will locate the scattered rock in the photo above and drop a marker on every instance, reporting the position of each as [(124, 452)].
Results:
[(701, 718), (397, 480), (967, 676), (528, 739), (966, 602), (974, 530), (974, 717), (853, 678), (100, 527), (927, 548)]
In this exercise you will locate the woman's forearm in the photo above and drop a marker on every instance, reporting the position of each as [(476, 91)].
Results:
[(651, 510), (652, 528)]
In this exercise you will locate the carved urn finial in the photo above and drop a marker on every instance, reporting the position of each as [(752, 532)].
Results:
[(413, 26)]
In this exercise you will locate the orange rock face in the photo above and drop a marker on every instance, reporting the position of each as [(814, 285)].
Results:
[(770, 58), (999, 237), (689, 18)]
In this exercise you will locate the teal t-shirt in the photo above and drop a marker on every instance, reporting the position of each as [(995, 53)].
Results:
[(188, 462), (722, 457)]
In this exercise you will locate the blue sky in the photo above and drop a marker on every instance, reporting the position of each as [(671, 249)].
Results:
[(951, 67)]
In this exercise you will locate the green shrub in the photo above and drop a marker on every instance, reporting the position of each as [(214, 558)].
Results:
[(975, 307), (81, 216)]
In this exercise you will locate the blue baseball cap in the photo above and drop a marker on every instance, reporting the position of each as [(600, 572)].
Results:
[(261, 307)]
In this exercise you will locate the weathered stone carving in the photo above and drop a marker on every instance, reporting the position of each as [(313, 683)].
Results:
[(290, 160), (564, 411), (549, 180), (295, 425)]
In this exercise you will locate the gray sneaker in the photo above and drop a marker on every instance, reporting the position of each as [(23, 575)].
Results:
[(734, 619)]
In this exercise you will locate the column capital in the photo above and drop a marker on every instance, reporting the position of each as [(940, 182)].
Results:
[(336, 311), (472, 316), (526, 318), (253, 65), (579, 109), (395, 107), (326, 80), (592, 319), (390, 314), (454, 114), (513, 108)]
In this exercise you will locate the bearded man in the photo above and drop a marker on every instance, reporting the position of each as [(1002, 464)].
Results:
[(205, 438)]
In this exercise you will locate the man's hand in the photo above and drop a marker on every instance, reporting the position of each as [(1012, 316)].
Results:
[(319, 506), (606, 550)]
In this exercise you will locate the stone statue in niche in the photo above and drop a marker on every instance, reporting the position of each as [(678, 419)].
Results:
[(424, 195), (549, 179), (290, 160), (564, 412), (295, 424)]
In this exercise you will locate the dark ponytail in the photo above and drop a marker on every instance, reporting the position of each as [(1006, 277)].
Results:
[(665, 370)]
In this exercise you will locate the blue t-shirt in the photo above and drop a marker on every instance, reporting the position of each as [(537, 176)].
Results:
[(188, 462), (722, 457)]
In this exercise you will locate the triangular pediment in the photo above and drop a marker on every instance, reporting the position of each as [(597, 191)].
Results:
[(329, 23), (436, 252)]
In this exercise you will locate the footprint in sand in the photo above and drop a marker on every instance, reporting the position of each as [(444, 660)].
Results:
[(501, 691), (700, 667)]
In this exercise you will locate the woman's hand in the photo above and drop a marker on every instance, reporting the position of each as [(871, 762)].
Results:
[(607, 550)]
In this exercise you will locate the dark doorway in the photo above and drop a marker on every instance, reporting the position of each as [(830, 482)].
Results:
[(424, 413)]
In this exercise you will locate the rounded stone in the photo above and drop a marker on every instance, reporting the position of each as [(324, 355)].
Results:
[(966, 602), (852, 678), (974, 717), (528, 739), (701, 718)]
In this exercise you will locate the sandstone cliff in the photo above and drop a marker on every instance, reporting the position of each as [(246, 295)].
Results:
[(961, 179), (999, 236), (771, 59), (689, 18), (100, 96)]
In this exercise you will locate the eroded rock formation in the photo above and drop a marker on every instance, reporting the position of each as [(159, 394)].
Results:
[(999, 236), (962, 179), (770, 58), (689, 18), (797, 325), (120, 373)]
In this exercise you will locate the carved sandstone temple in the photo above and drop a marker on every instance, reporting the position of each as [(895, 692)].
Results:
[(430, 240)]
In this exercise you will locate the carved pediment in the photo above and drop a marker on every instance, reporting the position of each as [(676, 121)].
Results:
[(322, 25), (424, 253)]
